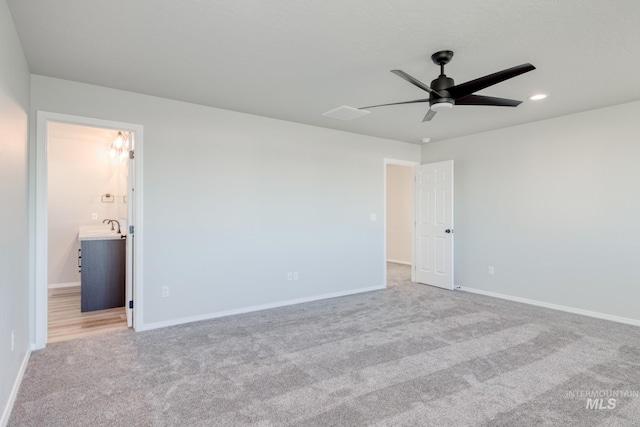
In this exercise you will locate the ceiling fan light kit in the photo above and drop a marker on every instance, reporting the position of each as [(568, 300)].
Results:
[(444, 93), (444, 105)]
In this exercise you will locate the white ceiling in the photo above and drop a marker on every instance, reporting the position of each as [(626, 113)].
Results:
[(295, 59)]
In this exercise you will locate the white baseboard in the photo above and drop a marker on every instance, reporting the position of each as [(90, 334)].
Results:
[(63, 285), (173, 322), (14, 391), (395, 261), (558, 307)]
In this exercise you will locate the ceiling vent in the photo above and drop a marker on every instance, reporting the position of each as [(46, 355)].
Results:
[(345, 113)]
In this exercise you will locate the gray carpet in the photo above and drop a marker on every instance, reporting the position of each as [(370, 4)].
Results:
[(408, 355)]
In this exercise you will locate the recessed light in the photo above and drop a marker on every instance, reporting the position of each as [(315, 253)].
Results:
[(425, 140), (538, 96)]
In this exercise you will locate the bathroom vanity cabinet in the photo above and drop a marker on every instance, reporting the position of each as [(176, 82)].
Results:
[(102, 273)]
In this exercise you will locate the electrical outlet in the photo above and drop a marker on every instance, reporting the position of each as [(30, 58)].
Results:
[(373, 217), (491, 270), (165, 291), (94, 216), (295, 275), (13, 340), (289, 276)]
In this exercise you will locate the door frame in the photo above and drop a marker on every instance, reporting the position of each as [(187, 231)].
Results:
[(413, 165), (39, 294)]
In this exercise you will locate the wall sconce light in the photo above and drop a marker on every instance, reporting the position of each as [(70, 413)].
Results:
[(120, 146)]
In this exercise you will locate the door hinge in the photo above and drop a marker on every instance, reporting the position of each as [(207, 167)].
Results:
[(131, 155), (131, 229), (131, 304)]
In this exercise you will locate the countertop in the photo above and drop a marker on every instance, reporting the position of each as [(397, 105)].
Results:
[(98, 232)]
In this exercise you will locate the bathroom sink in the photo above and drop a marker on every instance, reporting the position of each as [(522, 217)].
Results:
[(97, 232)]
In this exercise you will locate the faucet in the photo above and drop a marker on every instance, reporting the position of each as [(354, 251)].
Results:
[(111, 221)]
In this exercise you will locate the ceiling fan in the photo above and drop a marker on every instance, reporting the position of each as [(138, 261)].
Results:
[(444, 93)]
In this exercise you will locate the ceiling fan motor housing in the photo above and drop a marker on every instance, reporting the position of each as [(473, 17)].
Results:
[(441, 84)]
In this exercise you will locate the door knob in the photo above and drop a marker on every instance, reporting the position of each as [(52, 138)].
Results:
[(448, 230)]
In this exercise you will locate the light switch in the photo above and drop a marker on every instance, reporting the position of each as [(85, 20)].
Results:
[(372, 217), (94, 216)]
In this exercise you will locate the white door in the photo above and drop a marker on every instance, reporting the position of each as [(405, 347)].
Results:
[(434, 224), (130, 236)]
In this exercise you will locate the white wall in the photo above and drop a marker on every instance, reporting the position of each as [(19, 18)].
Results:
[(232, 202), (554, 206), (80, 171), (14, 213), (399, 206)]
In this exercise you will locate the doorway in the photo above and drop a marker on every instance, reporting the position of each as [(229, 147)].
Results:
[(81, 146), (399, 178), (87, 171)]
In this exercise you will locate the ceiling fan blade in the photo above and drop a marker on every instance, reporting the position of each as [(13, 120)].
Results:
[(487, 100), (429, 115), (465, 89), (414, 81), (396, 103)]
